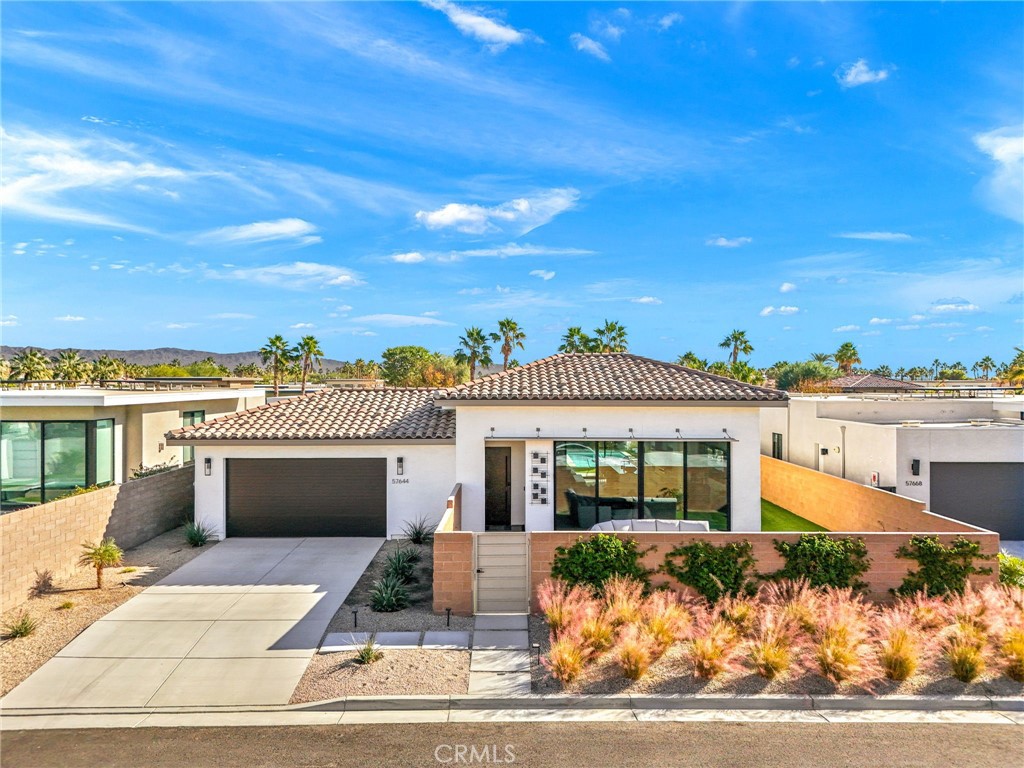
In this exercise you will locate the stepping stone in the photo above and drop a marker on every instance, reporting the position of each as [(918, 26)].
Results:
[(446, 640), (500, 683), (398, 639), (501, 621), (501, 639), (336, 642), (500, 661)]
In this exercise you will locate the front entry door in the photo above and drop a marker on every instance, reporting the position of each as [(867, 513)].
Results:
[(498, 489)]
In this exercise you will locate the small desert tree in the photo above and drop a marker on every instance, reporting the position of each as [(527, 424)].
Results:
[(106, 554)]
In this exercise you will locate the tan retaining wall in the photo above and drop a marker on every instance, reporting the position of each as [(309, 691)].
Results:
[(842, 505), (49, 537)]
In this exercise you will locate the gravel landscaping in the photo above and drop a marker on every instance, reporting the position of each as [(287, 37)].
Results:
[(57, 626)]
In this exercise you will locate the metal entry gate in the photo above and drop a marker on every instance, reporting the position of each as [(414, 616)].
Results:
[(502, 573)]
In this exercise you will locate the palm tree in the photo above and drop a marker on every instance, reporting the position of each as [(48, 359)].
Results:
[(311, 355), (511, 336), (937, 365), (30, 365), (917, 372), (883, 370), (5, 369), (70, 366), (473, 350), (575, 340), (279, 354), (821, 357), (739, 343), (846, 357), (901, 373), (690, 360), (106, 554), (719, 368), (743, 371), (611, 337), (985, 365), (105, 368)]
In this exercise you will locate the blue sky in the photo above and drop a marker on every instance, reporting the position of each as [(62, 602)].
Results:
[(204, 175)]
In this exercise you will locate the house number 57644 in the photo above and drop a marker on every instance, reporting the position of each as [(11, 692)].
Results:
[(399, 480)]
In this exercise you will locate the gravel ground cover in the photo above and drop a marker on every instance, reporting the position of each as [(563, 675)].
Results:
[(59, 624)]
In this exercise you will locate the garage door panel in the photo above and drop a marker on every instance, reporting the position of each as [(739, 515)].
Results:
[(307, 497), (989, 495)]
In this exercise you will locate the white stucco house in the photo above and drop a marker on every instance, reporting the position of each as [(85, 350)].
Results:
[(565, 442)]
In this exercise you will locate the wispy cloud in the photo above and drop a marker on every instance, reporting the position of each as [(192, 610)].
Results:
[(514, 249), (728, 242), (69, 319), (179, 326), (783, 310), (301, 326), (399, 321), (520, 216), (669, 20), (296, 275), (1003, 189), (543, 274), (880, 321), (496, 34), (955, 304), (887, 237), (646, 300), (859, 73), (846, 328), (589, 46), (412, 257), (787, 288), (607, 29), (8, 321), (298, 231)]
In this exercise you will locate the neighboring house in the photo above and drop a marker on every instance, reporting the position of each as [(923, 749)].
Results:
[(963, 457), (54, 440), (564, 442), (870, 382)]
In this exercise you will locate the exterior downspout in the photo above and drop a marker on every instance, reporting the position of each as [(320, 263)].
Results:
[(842, 448)]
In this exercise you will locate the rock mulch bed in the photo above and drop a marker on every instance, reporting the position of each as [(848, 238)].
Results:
[(57, 626)]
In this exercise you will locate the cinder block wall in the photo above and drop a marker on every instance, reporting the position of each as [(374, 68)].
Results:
[(454, 572), (49, 537), (842, 505)]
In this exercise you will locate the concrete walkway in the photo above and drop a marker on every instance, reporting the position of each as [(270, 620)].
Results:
[(500, 662), (235, 626)]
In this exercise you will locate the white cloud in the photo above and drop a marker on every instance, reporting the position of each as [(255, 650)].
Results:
[(179, 326), (845, 328), (955, 304), (606, 29), (300, 326), (69, 241), (872, 333), (295, 275), (117, 266), (8, 321), (783, 310), (787, 288), (69, 319), (908, 327), (859, 73), (514, 249), (590, 46), (726, 242), (399, 321), (520, 215), (432, 313), (669, 20), (984, 328), (1003, 190), (945, 325), (918, 318), (412, 257), (471, 291), (473, 23), (232, 316), (646, 300), (543, 274), (299, 230), (880, 321), (886, 237), (344, 308), (793, 61)]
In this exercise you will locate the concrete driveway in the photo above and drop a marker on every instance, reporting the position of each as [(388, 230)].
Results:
[(236, 625)]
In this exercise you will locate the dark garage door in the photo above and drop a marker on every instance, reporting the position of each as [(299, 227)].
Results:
[(988, 495), (307, 497)]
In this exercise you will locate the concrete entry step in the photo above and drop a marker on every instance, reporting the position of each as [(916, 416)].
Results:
[(501, 639), (500, 661), (500, 683), (501, 621)]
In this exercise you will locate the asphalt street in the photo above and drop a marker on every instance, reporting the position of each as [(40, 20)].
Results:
[(606, 744)]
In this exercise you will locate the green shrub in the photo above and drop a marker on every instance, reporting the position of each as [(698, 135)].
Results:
[(67, 605), (23, 626), (419, 531), (713, 571), (142, 470), (592, 560), (824, 561), (401, 564), (389, 595), (942, 570), (1011, 570), (197, 534), (369, 652)]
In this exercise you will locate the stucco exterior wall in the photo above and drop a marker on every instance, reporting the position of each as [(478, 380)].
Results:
[(429, 469), (612, 421)]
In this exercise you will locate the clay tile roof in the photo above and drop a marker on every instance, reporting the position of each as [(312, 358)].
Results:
[(616, 376), (334, 414), (870, 381)]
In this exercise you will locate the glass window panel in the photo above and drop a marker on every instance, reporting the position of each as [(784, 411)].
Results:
[(617, 480), (190, 419), (63, 458), (20, 463), (663, 480), (707, 489), (575, 477), (104, 452)]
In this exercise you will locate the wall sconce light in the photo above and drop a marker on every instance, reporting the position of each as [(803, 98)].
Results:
[(631, 435), (538, 432), (401, 466), (679, 434), (823, 451), (915, 467), (725, 432), (207, 466), (159, 447), (584, 432), (492, 433)]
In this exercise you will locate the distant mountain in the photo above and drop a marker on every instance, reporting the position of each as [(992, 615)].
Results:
[(161, 355)]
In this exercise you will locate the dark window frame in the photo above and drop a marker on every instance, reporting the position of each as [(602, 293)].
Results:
[(776, 445), (188, 419)]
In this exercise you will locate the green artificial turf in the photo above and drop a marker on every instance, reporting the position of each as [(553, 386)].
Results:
[(778, 520)]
